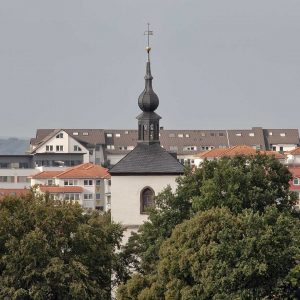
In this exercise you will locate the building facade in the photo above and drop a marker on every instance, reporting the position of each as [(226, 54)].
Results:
[(146, 170)]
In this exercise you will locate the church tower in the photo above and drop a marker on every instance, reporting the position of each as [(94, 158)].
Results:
[(148, 120), (147, 169)]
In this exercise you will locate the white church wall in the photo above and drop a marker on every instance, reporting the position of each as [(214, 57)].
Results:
[(125, 196)]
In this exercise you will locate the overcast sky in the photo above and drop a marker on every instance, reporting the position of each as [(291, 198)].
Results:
[(216, 64)]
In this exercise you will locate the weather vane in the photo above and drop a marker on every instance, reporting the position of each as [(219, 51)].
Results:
[(148, 33)]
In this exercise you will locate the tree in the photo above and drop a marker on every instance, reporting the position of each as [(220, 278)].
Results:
[(55, 250), (246, 182), (238, 183), (218, 254)]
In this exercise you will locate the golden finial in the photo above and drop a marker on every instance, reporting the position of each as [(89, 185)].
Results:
[(148, 33)]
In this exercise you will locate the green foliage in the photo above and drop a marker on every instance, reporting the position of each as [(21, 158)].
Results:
[(55, 250), (220, 255), (254, 183), (238, 183), (246, 182)]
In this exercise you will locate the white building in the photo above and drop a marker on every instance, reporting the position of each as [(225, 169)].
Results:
[(87, 184), (146, 170)]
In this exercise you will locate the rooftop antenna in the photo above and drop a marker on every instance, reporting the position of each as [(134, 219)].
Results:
[(148, 33)]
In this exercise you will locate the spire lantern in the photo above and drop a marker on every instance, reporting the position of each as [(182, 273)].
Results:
[(148, 102)]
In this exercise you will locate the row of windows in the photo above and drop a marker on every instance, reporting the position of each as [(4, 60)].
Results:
[(11, 179), (117, 135), (90, 196), (16, 165), (113, 147), (77, 133), (281, 133), (58, 148), (54, 163), (86, 182), (74, 196)]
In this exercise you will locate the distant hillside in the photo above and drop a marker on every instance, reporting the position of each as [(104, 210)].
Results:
[(13, 146)]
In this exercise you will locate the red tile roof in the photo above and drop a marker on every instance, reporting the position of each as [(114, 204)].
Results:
[(217, 152), (87, 170), (61, 189), (295, 171), (240, 150), (13, 192), (46, 174), (237, 150), (295, 151)]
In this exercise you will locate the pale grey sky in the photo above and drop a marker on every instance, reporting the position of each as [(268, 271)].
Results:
[(216, 64)]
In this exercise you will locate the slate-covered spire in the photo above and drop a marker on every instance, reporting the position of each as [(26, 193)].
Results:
[(148, 100), (148, 120)]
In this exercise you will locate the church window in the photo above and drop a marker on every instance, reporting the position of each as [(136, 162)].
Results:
[(147, 199)]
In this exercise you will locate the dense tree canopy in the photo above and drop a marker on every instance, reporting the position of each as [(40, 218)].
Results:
[(221, 255), (253, 183), (55, 250)]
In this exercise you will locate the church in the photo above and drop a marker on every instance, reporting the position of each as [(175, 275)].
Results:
[(147, 169)]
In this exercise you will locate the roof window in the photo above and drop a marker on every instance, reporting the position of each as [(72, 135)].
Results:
[(238, 134), (75, 133), (187, 135), (172, 135), (202, 133), (180, 135), (109, 134), (85, 133), (251, 133), (282, 134), (117, 135), (270, 133)]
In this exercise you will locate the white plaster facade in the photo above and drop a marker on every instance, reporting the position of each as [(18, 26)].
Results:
[(283, 147), (293, 159), (62, 142), (16, 178), (126, 191)]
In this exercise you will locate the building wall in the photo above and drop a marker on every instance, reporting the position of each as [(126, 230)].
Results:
[(125, 195), (293, 159), (283, 147), (16, 178)]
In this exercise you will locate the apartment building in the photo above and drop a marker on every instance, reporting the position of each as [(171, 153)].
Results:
[(88, 184), (109, 146)]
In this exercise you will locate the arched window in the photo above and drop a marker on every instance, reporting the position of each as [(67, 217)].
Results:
[(147, 199)]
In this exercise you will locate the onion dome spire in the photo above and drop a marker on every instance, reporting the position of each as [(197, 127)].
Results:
[(148, 100)]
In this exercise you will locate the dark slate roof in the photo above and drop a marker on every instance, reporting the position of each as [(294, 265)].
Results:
[(147, 160)]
